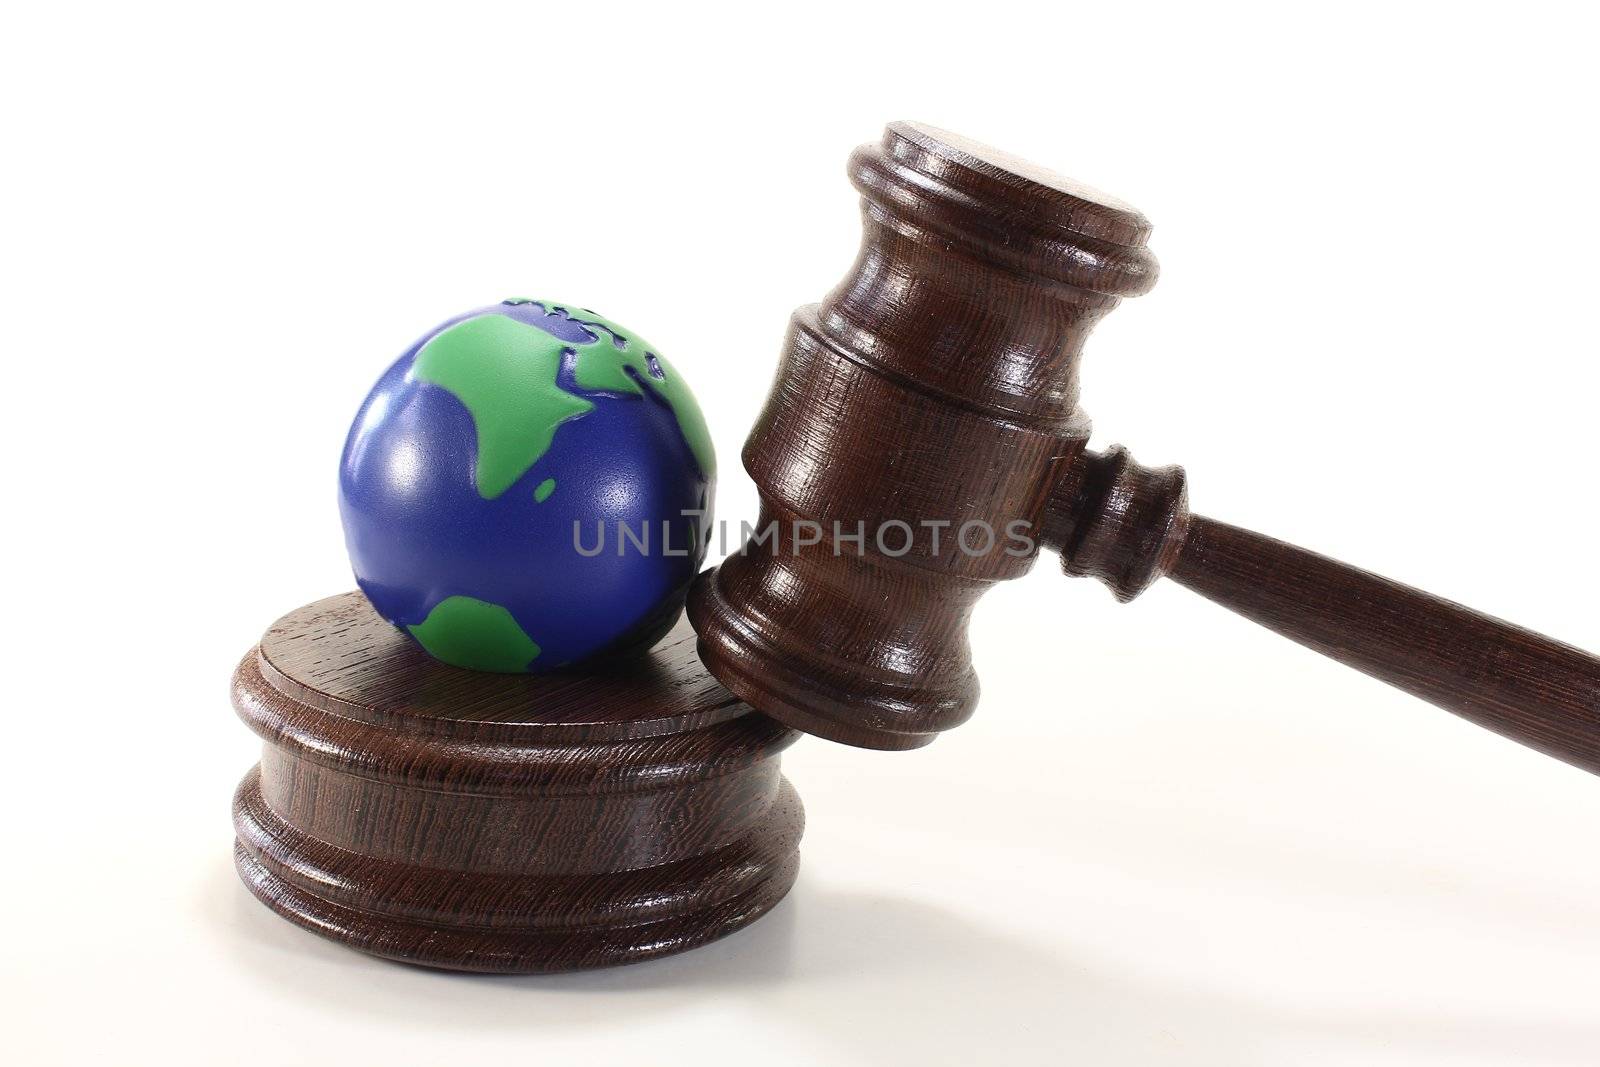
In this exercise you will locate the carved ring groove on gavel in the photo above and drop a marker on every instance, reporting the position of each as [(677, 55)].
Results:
[(937, 384)]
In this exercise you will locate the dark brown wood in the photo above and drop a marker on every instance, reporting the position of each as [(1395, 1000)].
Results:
[(1128, 525), (504, 823), (938, 383), (1517, 683)]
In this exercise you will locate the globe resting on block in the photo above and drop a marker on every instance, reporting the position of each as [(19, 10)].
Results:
[(527, 487)]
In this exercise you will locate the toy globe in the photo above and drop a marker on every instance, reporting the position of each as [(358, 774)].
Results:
[(527, 487)]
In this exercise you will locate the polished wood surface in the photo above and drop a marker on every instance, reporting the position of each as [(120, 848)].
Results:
[(504, 823), (1128, 525), (937, 384)]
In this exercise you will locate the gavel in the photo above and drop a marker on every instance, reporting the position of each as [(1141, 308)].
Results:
[(923, 439)]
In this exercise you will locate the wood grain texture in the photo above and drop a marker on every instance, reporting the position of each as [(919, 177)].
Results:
[(504, 823), (1521, 685), (939, 383), (936, 384), (1128, 525)]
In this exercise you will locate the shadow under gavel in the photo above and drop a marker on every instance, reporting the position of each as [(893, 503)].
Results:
[(923, 437)]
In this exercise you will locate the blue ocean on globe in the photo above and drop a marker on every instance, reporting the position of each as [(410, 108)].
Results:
[(528, 487)]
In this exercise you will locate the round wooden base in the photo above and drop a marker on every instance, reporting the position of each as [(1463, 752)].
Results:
[(505, 823)]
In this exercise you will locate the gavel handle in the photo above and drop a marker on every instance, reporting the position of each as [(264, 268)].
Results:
[(1522, 685)]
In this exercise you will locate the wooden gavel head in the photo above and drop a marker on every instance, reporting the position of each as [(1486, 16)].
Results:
[(923, 439), (934, 391)]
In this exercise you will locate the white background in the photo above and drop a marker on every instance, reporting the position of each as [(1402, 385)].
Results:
[(1166, 838)]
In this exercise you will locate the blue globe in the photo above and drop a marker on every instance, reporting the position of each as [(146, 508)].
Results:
[(527, 487)]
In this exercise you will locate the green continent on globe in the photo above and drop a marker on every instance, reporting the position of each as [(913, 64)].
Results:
[(504, 372), (475, 634), (603, 367)]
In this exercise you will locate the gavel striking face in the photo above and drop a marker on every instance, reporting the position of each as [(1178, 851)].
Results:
[(923, 439)]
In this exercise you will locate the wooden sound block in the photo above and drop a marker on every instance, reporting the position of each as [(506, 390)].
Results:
[(506, 823)]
